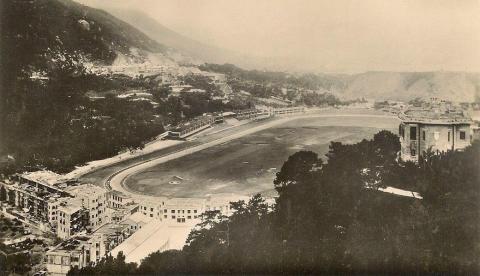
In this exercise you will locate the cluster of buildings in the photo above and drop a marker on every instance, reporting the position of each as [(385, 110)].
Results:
[(390, 106), (60, 205), (436, 126), (166, 72), (165, 75), (92, 221), (219, 80)]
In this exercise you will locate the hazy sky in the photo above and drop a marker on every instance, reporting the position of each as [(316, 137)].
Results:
[(334, 36)]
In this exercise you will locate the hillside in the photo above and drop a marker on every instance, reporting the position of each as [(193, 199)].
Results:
[(454, 86), (458, 86), (46, 120), (403, 86), (35, 31), (199, 51)]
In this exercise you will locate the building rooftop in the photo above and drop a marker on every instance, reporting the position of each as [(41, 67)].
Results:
[(195, 122), (70, 244), (138, 217), (44, 177), (39, 192), (228, 113), (185, 203), (119, 194), (70, 206), (154, 236), (85, 190), (152, 201), (226, 198), (111, 228), (442, 116)]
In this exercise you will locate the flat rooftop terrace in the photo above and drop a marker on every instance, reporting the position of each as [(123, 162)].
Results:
[(435, 116)]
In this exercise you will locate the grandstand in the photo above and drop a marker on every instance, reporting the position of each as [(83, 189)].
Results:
[(191, 127)]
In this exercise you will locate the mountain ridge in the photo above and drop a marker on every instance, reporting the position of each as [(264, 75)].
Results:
[(196, 49), (370, 84), (454, 86), (35, 28), (378, 85)]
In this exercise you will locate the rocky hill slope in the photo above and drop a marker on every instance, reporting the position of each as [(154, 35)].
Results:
[(196, 50), (35, 31)]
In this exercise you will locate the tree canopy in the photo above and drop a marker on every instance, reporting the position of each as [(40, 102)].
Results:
[(330, 218)]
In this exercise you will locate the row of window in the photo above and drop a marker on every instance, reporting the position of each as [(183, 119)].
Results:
[(413, 134), (188, 217), (60, 260), (117, 198), (180, 211), (97, 199), (145, 208)]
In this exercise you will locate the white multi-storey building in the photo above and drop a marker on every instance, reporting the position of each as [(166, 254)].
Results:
[(183, 210), (72, 218), (153, 207), (94, 199)]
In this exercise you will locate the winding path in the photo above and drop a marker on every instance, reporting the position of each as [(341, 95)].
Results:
[(117, 179)]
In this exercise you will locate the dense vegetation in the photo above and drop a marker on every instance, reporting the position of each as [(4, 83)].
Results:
[(46, 119), (326, 220), (35, 27), (50, 123), (14, 263), (20, 257), (189, 105), (53, 124)]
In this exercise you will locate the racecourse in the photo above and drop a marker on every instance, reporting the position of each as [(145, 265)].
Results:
[(119, 177)]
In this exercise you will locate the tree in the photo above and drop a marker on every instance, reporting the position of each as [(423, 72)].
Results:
[(107, 266), (3, 264), (450, 186), (16, 263), (3, 193), (167, 262), (327, 220), (11, 197), (387, 144), (296, 168)]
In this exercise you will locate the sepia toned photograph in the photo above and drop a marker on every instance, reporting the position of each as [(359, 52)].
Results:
[(227, 137)]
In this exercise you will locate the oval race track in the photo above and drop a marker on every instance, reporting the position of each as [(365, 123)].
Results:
[(116, 180)]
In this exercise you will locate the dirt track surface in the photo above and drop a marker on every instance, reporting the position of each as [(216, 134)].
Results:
[(236, 161)]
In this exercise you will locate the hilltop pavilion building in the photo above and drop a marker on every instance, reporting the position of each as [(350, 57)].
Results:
[(438, 129)]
